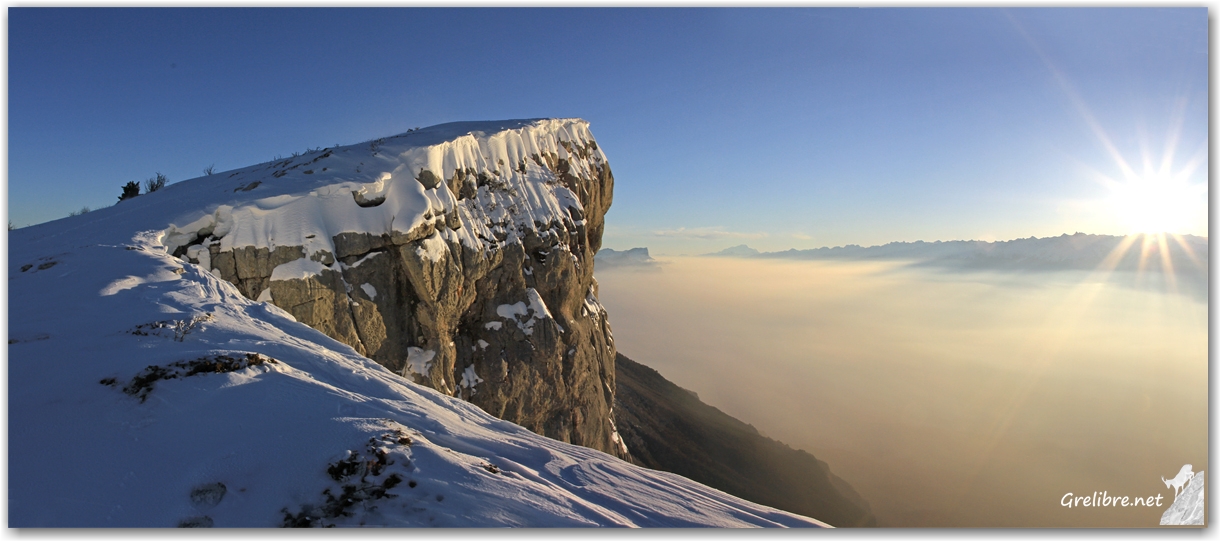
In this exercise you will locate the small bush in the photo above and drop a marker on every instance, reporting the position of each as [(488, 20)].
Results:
[(155, 183), (210, 170), (130, 190), (82, 210)]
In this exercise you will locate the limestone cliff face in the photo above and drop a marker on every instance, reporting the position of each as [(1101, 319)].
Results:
[(460, 256)]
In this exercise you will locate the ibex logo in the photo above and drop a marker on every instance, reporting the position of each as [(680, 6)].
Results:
[(1184, 476), (1188, 496)]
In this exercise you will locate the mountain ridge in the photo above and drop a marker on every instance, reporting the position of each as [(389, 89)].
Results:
[(1076, 251), (669, 428)]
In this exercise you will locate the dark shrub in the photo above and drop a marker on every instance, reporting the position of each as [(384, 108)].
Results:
[(156, 183), (130, 190)]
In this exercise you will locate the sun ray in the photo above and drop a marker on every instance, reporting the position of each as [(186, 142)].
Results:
[(1190, 252), (1110, 262), (1166, 263), (1175, 134), (1070, 91), (1059, 325), (1145, 247), (1200, 156)]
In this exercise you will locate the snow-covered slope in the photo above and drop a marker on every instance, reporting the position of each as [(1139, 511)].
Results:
[(305, 200), (145, 391)]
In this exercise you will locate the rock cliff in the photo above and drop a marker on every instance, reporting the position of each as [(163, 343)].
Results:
[(460, 256)]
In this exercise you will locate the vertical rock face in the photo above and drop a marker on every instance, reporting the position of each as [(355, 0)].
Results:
[(460, 256)]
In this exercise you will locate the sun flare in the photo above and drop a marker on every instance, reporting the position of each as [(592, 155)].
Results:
[(1156, 204)]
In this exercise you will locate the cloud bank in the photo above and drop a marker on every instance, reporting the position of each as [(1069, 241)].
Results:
[(945, 398)]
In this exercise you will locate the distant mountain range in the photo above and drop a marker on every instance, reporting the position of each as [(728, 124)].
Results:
[(1187, 254)]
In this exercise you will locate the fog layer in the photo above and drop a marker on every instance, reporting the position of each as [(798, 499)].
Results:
[(946, 399)]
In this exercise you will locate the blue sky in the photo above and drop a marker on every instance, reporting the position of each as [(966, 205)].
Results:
[(778, 128)]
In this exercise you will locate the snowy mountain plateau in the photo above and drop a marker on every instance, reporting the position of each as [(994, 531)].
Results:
[(319, 340)]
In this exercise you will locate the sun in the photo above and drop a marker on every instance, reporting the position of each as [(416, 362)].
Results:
[(1156, 203)]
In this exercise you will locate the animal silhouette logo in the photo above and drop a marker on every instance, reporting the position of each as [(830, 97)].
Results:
[(1183, 477)]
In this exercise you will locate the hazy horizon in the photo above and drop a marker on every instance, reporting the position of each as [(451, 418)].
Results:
[(951, 399), (622, 247)]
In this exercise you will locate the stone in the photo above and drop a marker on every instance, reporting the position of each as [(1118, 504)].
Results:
[(428, 179)]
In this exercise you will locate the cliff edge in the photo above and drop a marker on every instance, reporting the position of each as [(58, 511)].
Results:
[(460, 256)]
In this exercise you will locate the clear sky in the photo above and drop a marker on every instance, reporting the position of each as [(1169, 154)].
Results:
[(778, 128)]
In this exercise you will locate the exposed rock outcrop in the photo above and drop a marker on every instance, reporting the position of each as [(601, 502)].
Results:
[(668, 428), (460, 256)]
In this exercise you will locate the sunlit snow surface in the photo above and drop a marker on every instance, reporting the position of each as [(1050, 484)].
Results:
[(95, 300)]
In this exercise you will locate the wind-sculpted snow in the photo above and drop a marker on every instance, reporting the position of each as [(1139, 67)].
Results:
[(241, 417), (413, 180)]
